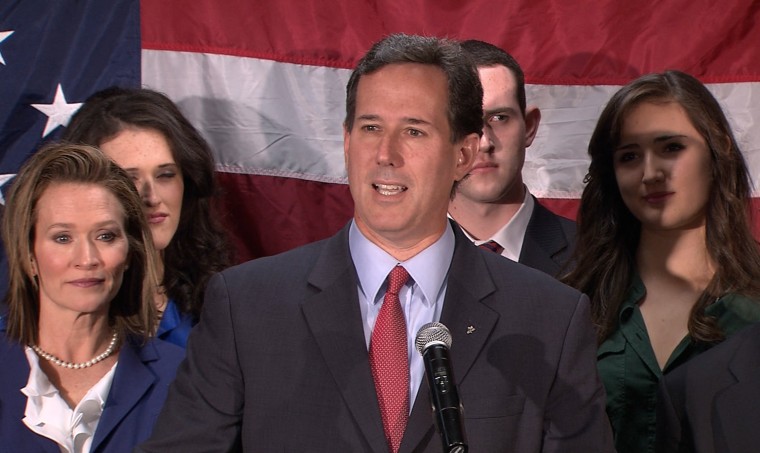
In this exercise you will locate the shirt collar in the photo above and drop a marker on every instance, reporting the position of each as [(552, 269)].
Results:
[(47, 413), (512, 234), (373, 264), (636, 291)]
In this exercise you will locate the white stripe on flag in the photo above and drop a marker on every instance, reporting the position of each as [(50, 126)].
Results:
[(279, 119), (261, 117)]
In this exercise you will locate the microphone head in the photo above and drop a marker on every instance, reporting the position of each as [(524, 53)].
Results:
[(430, 334)]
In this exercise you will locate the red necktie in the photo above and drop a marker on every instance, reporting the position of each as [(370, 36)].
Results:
[(388, 358), (492, 246)]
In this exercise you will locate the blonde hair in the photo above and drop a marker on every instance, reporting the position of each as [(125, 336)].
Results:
[(132, 311)]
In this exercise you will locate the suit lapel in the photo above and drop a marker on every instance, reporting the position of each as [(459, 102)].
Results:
[(470, 322), (334, 318), (13, 378), (464, 313), (130, 382), (544, 239), (741, 398)]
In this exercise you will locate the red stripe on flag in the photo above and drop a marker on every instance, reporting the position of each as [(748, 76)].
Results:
[(606, 42), (266, 215), (565, 207)]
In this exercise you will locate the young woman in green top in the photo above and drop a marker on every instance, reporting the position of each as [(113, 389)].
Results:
[(665, 248)]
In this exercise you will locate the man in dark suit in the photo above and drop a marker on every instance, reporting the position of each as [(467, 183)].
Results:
[(711, 404), (297, 352), (492, 203)]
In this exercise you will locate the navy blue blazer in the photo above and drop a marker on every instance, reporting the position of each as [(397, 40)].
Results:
[(137, 393)]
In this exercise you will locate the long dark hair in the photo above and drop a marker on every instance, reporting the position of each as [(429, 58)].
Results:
[(608, 234), (199, 247)]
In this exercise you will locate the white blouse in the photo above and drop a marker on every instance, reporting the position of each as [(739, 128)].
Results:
[(48, 414)]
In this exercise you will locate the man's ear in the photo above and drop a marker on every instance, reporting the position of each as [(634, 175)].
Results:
[(466, 153), (532, 119), (346, 140)]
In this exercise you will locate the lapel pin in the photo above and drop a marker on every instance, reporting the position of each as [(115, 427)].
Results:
[(470, 329)]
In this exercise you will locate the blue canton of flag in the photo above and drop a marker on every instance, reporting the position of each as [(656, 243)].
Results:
[(53, 55)]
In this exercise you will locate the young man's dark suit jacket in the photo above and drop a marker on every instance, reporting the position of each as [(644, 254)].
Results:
[(549, 241), (711, 404), (279, 362), (137, 393)]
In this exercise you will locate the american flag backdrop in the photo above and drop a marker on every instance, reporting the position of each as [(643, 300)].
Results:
[(264, 80)]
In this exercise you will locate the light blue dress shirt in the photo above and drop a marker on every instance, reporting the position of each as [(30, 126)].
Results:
[(421, 297)]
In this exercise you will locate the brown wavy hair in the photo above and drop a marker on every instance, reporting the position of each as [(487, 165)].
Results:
[(132, 312), (608, 234)]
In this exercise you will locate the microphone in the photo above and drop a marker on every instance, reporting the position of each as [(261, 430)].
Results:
[(433, 342)]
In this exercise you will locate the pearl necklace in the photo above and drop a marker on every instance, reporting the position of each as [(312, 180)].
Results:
[(77, 366)]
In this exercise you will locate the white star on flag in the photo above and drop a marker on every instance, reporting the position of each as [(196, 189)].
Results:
[(3, 180), (59, 112), (3, 36)]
